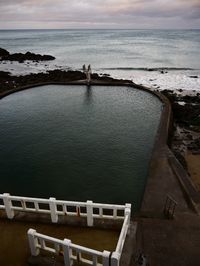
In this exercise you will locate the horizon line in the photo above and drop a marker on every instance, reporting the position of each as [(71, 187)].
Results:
[(102, 29)]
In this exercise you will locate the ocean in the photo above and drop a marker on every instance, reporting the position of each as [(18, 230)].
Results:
[(125, 54)]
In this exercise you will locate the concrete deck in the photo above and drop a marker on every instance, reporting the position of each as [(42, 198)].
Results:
[(167, 241), (163, 241), (14, 248)]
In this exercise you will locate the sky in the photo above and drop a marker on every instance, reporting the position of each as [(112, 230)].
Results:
[(100, 14)]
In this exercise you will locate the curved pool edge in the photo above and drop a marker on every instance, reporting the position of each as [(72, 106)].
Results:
[(161, 138), (160, 147)]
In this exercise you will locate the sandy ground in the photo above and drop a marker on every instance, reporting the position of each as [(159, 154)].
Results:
[(193, 162), (14, 248)]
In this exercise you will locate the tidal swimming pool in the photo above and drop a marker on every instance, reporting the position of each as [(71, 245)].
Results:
[(75, 143)]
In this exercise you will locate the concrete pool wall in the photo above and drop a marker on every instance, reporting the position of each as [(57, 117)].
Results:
[(162, 131), (162, 139)]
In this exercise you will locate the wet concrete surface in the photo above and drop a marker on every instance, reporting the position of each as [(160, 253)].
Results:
[(171, 242), (163, 241), (14, 248)]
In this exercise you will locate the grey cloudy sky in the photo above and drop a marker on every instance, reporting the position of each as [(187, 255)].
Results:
[(134, 14)]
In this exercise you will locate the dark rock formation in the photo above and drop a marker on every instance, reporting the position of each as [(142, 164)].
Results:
[(3, 52), (19, 57), (187, 115), (187, 118), (194, 77), (9, 82), (4, 76)]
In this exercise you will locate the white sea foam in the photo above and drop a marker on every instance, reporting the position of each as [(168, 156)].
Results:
[(172, 80)]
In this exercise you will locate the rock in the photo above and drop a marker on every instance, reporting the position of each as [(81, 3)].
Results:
[(20, 57), (4, 75), (8, 82), (3, 52), (187, 114), (189, 136), (193, 77)]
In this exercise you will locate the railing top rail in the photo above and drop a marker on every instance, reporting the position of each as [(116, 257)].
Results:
[(122, 207), (61, 202), (86, 250), (49, 238), (28, 199), (73, 246), (122, 233)]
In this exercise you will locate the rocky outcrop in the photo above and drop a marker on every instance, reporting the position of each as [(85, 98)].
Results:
[(188, 114), (3, 53), (20, 57), (9, 82)]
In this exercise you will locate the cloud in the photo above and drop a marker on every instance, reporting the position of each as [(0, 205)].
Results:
[(99, 13)]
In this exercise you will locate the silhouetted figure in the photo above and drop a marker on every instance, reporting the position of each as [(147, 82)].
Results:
[(87, 72)]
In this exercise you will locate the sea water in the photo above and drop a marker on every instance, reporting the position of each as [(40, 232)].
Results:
[(122, 53)]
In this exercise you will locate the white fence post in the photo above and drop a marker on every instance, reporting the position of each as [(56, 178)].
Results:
[(8, 205), (115, 259), (53, 210), (128, 210), (89, 209), (106, 258), (67, 252), (33, 242)]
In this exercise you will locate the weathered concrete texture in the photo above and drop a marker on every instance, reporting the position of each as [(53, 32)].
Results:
[(190, 191), (161, 183), (168, 241), (129, 245), (14, 248)]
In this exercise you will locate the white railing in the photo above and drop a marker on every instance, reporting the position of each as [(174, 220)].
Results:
[(58, 208), (65, 247), (124, 230)]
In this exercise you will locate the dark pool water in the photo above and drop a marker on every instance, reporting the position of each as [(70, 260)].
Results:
[(73, 143)]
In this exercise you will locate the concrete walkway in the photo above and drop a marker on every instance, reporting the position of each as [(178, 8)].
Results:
[(167, 241)]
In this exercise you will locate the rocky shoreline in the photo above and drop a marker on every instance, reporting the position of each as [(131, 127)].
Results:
[(186, 112), (185, 141), (10, 82)]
